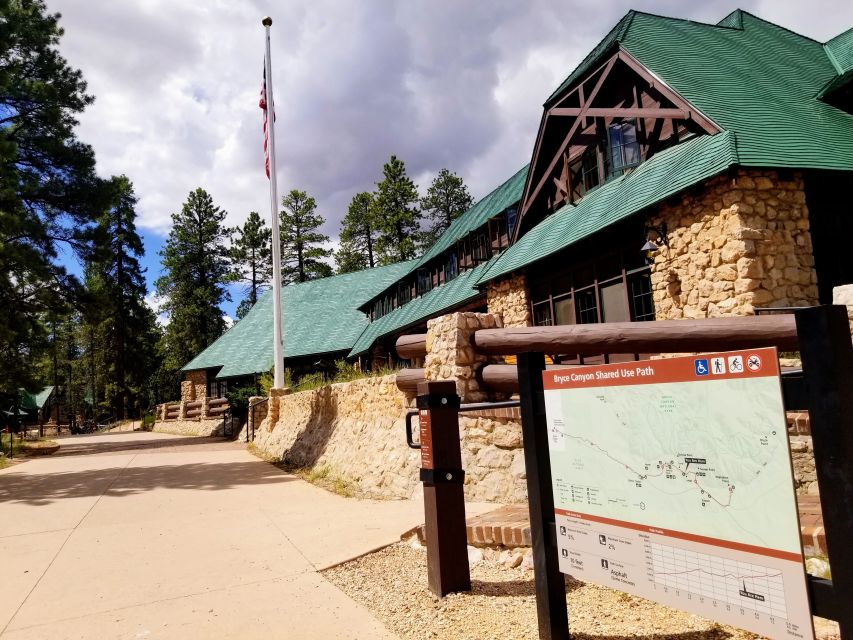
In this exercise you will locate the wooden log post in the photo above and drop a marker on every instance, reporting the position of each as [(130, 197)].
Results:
[(444, 500), (412, 346)]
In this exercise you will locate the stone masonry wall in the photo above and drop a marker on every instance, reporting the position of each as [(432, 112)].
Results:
[(450, 354), (742, 242), (194, 386), (190, 427), (355, 429), (509, 300)]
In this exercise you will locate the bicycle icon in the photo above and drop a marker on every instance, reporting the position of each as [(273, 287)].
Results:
[(735, 364)]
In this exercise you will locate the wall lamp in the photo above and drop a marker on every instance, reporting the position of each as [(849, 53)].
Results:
[(655, 237)]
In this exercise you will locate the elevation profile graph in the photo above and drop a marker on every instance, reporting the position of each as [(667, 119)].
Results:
[(728, 582)]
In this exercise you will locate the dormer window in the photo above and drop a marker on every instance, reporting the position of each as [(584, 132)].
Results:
[(623, 147)]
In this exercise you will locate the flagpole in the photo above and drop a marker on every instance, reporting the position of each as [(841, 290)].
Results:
[(278, 352)]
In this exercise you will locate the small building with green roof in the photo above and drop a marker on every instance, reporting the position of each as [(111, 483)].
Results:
[(681, 170)]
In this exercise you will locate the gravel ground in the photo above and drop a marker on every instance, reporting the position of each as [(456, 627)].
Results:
[(392, 584)]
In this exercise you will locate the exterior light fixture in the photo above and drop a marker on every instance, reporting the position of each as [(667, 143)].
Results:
[(655, 237)]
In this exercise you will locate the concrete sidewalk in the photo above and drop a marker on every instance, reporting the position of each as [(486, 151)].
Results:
[(144, 535)]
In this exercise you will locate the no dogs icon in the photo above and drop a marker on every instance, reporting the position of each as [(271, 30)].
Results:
[(753, 362)]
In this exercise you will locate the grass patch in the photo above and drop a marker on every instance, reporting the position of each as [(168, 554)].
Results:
[(25, 447), (4, 462), (322, 476)]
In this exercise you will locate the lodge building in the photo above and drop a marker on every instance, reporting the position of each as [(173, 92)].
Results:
[(682, 170)]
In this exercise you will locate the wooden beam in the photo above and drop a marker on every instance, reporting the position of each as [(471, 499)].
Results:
[(622, 112), (567, 139), (661, 336), (408, 380), (412, 346)]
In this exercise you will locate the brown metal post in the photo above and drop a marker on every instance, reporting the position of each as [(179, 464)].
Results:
[(444, 500)]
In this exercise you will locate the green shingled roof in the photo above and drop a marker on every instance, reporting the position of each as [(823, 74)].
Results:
[(318, 317), (663, 175), (751, 77), (35, 401), (501, 198), (443, 298), (840, 51)]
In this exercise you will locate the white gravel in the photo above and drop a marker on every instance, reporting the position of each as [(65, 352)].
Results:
[(392, 584)]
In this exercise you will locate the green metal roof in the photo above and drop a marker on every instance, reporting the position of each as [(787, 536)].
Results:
[(501, 198), (35, 401), (443, 298), (661, 176), (751, 77), (318, 317), (840, 51)]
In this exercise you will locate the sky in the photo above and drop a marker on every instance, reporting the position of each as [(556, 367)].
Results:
[(438, 83)]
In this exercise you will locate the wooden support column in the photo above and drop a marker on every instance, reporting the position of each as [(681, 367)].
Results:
[(444, 500), (550, 584)]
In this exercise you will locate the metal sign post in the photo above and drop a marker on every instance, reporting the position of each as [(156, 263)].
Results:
[(444, 500)]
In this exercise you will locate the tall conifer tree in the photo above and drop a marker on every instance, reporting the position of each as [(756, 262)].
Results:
[(446, 199), (358, 235), (251, 262), (195, 268), (396, 214), (302, 254)]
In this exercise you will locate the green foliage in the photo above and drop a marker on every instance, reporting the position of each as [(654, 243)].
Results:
[(195, 268), (238, 399), (446, 199), (396, 214), (358, 235), (48, 187), (302, 253), (120, 329), (251, 261)]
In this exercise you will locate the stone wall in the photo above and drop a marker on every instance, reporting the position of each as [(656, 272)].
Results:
[(802, 457), (194, 386), (844, 295), (356, 430), (212, 427), (740, 243), (450, 352), (509, 300)]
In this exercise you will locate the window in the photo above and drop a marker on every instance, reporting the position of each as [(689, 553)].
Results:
[(589, 169), (424, 281), (480, 247), (511, 218), (451, 267), (623, 147), (404, 293), (612, 288)]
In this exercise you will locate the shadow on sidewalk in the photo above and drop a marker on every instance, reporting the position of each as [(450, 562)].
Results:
[(45, 488)]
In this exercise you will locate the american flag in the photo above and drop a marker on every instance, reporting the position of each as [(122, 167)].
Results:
[(263, 105)]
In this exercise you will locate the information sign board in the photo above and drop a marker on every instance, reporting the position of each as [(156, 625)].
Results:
[(672, 480)]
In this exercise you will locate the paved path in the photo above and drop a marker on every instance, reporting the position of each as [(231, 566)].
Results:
[(144, 535)]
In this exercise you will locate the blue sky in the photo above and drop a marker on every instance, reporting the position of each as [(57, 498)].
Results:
[(439, 83)]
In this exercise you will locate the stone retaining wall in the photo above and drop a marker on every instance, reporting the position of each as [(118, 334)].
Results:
[(190, 427), (509, 300), (356, 430)]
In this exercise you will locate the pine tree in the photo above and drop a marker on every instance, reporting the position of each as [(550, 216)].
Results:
[(446, 199), (358, 235), (251, 261), (195, 268), (48, 188), (396, 214), (302, 254), (127, 323)]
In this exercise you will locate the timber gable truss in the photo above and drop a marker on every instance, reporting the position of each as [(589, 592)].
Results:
[(603, 125)]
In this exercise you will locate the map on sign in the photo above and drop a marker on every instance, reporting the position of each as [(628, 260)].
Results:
[(672, 480)]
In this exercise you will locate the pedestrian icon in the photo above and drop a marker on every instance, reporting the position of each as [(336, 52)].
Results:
[(562, 531), (735, 364), (602, 539), (701, 366), (753, 361), (718, 366), (604, 564), (565, 552)]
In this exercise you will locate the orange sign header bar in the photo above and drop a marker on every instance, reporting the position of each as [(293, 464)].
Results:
[(729, 365)]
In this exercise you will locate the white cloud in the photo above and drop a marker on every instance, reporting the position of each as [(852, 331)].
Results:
[(436, 83)]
